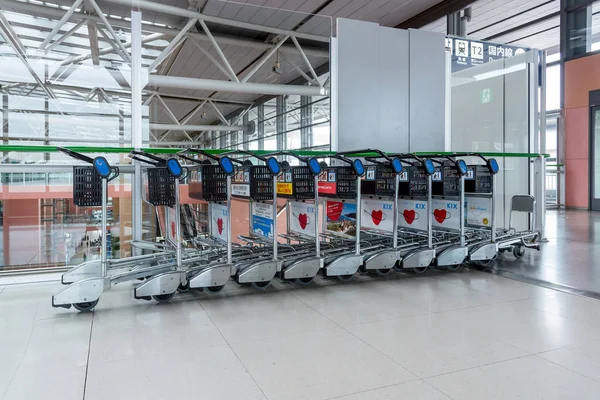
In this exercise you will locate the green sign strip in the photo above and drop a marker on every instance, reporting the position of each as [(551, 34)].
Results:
[(158, 150)]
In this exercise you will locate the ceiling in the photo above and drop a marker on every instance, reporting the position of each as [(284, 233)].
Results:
[(532, 23)]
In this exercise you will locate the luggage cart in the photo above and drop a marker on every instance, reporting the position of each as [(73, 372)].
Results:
[(344, 256), (448, 211), (300, 258), (415, 206), (257, 184), (211, 269), (488, 239), (90, 188)]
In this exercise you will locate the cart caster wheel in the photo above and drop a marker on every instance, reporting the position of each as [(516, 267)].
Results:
[(183, 288), (85, 306), (163, 298), (383, 272), (519, 251), (260, 285), (419, 270), (398, 267), (345, 278), (453, 268), (304, 281), (214, 289)]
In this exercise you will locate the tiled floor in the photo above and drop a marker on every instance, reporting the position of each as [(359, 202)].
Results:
[(464, 335), (568, 259)]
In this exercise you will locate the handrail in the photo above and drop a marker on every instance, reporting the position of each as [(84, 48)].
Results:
[(301, 153)]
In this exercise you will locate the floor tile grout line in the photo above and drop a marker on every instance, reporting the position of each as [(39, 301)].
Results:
[(21, 361), (479, 366), (372, 390), (361, 340), (87, 363), (439, 390), (233, 350), (562, 366)]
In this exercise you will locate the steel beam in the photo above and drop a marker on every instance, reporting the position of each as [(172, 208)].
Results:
[(108, 26), (264, 59), (310, 68), (176, 82), (93, 37), (136, 123), (60, 23), (212, 59), (178, 40), (182, 12), (219, 51), (65, 36), (182, 127)]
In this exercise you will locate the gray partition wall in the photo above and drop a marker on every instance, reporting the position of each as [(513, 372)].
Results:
[(389, 88)]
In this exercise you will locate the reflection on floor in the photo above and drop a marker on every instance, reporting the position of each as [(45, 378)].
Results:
[(570, 258), (464, 335)]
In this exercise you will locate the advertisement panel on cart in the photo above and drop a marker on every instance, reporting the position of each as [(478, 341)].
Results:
[(262, 220), (341, 217), (479, 211), (218, 221), (377, 214), (412, 214), (302, 218), (446, 214)]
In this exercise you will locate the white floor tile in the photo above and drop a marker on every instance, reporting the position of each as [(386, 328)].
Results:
[(524, 378), (497, 286), (208, 373), (433, 294), (354, 304), (151, 332), (40, 381), (431, 345), (317, 365), (419, 390), (262, 315), (583, 359)]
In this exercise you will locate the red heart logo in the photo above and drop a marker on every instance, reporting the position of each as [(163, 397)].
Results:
[(440, 215), (220, 225), (377, 216), (334, 210), (303, 219), (409, 216), (173, 228)]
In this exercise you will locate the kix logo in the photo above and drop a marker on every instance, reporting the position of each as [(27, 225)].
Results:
[(387, 206), (452, 206), (420, 206)]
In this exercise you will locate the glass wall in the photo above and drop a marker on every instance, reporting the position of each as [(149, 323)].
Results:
[(490, 113)]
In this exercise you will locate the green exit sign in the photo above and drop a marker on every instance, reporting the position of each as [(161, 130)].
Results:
[(486, 96)]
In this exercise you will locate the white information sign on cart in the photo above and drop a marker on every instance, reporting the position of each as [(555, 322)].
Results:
[(218, 221), (479, 211), (262, 219), (302, 218), (446, 214), (377, 214), (412, 214)]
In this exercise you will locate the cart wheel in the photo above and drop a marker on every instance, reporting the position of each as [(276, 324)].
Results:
[(85, 306), (345, 278), (483, 263), (383, 271), (214, 289), (519, 251), (419, 270), (163, 298), (453, 268), (260, 285), (398, 267), (304, 281), (183, 288)]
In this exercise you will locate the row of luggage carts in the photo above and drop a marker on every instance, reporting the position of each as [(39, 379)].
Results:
[(363, 211)]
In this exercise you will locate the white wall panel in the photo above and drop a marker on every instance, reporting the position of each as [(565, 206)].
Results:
[(427, 60)]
